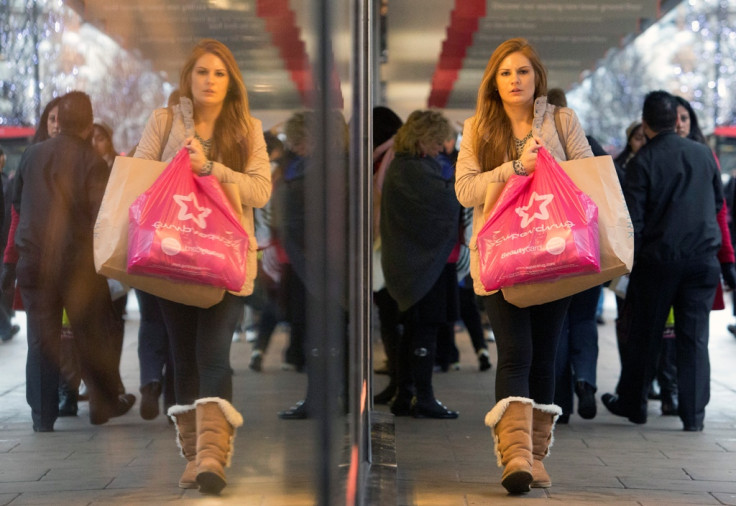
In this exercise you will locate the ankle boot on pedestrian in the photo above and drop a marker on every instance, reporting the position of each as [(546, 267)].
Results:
[(426, 405), (150, 393), (669, 403), (484, 360), (544, 417), (185, 419), (385, 395), (510, 421), (70, 375), (401, 403), (586, 399), (217, 420), (68, 400)]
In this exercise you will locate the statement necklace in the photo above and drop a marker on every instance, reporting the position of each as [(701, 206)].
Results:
[(520, 143), (206, 144)]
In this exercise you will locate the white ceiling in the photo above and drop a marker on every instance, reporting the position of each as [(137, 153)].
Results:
[(436, 49), (570, 36)]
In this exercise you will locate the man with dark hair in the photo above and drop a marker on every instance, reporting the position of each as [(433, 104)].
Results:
[(58, 191), (673, 191)]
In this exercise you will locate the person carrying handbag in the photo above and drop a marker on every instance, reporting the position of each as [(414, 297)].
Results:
[(212, 120), (511, 122)]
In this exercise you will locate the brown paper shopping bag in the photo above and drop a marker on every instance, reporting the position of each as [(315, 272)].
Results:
[(129, 178), (595, 176)]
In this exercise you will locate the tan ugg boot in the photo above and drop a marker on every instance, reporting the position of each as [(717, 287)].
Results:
[(185, 419), (217, 420), (510, 421), (543, 426)]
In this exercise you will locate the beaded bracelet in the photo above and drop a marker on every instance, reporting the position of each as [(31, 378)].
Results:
[(519, 168), (206, 169)]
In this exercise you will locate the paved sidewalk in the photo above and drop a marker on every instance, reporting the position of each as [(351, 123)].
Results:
[(440, 463), (133, 461), (607, 460)]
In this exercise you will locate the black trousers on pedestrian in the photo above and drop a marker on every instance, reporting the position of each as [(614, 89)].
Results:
[(526, 340), (295, 304), (423, 322), (154, 354), (200, 340), (689, 287), (389, 318), (86, 297)]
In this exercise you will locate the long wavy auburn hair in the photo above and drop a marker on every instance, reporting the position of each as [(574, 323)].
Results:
[(494, 139), (233, 124)]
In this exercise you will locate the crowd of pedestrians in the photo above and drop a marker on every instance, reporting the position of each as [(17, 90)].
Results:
[(429, 206)]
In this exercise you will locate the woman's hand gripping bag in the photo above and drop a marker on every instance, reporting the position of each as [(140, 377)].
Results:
[(542, 228), (183, 228)]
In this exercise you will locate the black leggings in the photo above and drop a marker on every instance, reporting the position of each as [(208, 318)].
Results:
[(526, 341)]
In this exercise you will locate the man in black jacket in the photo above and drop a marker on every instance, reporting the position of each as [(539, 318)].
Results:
[(673, 191), (58, 191)]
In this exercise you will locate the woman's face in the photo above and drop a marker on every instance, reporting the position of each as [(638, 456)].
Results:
[(638, 139), (682, 127), (210, 80), (515, 80), (52, 122), (431, 147), (100, 142), (448, 146)]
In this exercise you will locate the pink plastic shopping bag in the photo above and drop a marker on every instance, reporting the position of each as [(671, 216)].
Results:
[(183, 228), (542, 228)]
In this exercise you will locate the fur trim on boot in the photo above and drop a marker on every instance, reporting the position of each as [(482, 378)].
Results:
[(185, 420), (510, 421), (217, 421), (544, 417)]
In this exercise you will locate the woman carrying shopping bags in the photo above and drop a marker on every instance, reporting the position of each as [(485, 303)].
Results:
[(511, 122), (213, 122)]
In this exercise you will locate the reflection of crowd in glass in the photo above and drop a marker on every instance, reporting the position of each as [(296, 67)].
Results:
[(75, 318), (428, 208)]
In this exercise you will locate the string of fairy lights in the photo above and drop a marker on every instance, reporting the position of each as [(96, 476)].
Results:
[(690, 52), (47, 50)]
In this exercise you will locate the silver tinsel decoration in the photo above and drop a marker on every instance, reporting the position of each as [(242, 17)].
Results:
[(46, 50), (690, 52)]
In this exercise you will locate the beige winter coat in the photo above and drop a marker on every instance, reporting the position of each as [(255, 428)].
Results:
[(471, 183), (253, 182)]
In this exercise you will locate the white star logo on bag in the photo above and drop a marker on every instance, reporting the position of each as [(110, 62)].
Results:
[(187, 202), (539, 204)]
